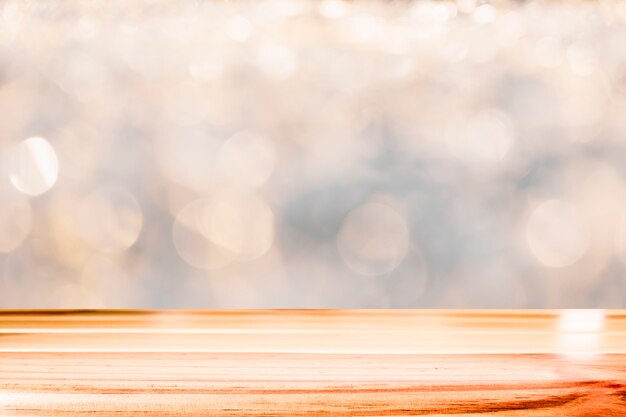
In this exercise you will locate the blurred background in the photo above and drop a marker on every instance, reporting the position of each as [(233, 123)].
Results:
[(287, 153)]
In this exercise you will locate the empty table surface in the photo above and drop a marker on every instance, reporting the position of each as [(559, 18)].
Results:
[(313, 363)]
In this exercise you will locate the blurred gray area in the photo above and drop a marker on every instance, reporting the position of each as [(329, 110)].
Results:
[(204, 154)]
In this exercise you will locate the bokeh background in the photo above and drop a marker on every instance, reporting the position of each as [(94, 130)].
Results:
[(286, 153)]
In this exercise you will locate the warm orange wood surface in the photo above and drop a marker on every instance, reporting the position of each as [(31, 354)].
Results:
[(313, 363)]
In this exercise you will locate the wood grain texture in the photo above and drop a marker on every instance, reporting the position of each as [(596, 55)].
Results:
[(313, 363)]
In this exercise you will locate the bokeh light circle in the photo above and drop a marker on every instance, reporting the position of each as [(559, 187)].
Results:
[(34, 166), (211, 233), (374, 239), (556, 234), (247, 159)]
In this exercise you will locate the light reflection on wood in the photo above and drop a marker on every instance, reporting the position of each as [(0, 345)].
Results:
[(313, 363)]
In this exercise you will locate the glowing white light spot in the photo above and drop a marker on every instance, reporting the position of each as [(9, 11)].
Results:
[(247, 159), (110, 219), (556, 234), (34, 166), (484, 13), (581, 320), (373, 239), (580, 332), (442, 11)]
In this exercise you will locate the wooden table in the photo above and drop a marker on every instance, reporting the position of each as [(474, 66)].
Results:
[(313, 363)]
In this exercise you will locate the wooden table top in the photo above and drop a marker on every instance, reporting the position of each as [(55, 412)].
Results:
[(313, 363)]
